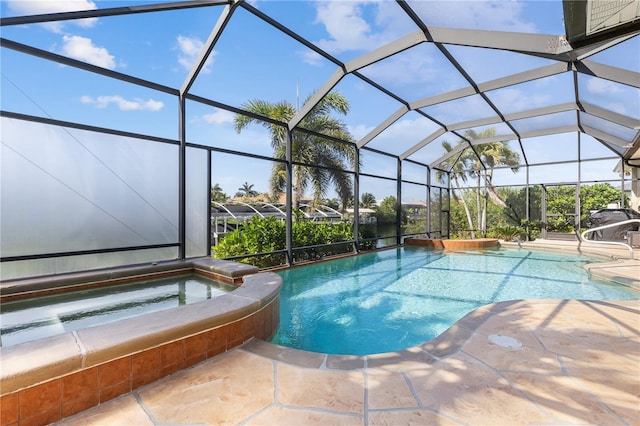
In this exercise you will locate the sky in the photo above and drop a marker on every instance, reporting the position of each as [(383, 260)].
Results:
[(252, 60)]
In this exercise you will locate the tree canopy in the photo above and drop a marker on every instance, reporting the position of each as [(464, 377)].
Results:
[(477, 162), (320, 162), (246, 191)]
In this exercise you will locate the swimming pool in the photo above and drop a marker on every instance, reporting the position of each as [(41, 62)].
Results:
[(395, 299), (44, 316)]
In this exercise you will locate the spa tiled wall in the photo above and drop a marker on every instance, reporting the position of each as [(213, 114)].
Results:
[(65, 396)]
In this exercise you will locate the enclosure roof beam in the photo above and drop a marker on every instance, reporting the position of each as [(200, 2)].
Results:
[(113, 11), (618, 75), (383, 52), (443, 97), (599, 134), (9, 44), (612, 116), (455, 151), (537, 112), (424, 142), (550, 131), (382, 126), (207, 48), (523, 77), (547, 45), (316, 97), (585, 51), (474, 123)]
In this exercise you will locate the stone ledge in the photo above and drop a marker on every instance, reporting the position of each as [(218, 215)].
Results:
[(27, 364), (453, 244), (223, 270), (223, 267)]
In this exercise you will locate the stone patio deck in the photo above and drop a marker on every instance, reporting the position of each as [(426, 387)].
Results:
[(522, 362), (578, 363)]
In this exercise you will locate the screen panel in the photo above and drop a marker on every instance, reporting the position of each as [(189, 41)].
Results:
[(66, 190)]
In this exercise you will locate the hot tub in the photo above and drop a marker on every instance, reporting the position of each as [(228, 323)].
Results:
[(45, 380)]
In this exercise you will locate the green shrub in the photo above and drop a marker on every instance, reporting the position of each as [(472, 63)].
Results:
[(261, 235), (507, 233)]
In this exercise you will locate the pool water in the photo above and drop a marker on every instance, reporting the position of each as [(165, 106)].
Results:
[(44, 316), (395, 299)]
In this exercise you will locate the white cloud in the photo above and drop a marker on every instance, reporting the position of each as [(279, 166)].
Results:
[(344, 22), (367, 24), (404, 134), (83, 49), (599, 86), (190, 48), (123, 104), (618, 107), (416, 66), (496, 15), (37, 7), (518, 100), (310, 57), (348, 27), (359, 131), (220, 116)]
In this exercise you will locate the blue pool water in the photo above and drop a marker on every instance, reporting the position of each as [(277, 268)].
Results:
[(395, 299)]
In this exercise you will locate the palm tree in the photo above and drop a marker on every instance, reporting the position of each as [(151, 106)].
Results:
[(217, 194), (368, 201), (479, 163), (457, 167), (246, 191), (495, 154), (321, 163)]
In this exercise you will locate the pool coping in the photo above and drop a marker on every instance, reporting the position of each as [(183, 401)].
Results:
[(445, 344), (613, 263), (223, 270), (448, 343), (452, 339), (27, 364)]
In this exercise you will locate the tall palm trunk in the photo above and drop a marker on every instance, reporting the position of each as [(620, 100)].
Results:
[(478, 203), (484, 213), (464, 204)]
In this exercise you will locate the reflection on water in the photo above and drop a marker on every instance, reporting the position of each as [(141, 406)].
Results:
[(32, 319), (394, 299)]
